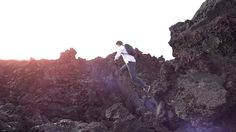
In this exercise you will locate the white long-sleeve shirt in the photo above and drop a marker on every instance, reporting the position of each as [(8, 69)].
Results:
[(121, 51)]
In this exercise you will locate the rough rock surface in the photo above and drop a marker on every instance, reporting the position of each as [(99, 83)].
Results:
[(63, 94), (202, 76), (70, 126), (195, 92)]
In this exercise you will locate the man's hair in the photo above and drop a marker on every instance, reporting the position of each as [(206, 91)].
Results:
[(119, 43)]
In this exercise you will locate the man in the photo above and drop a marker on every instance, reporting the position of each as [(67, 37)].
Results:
[(130, 63)]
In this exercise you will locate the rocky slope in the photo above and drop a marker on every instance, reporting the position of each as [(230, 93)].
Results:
[(195, 92), (72, 94)]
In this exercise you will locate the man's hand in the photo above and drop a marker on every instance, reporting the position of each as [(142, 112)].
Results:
[(116, 62), (115, 59)]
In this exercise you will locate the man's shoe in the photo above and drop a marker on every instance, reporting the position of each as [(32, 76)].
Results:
[(147, 89)]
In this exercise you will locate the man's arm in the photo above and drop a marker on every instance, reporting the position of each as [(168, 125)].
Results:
[(118, 54)]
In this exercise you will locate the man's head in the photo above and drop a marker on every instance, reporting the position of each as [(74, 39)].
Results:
[(119, 43)]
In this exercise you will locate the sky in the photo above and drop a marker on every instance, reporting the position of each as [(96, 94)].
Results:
[(42, 29)]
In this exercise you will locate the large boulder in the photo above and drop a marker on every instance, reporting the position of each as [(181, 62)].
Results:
[(201, 95), (124, 121), (212, 31)]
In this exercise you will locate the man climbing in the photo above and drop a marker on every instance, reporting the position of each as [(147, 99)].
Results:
[(130, 63)]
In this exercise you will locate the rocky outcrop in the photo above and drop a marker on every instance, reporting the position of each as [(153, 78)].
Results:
[(68, 55), (199, 88), (212, 31)]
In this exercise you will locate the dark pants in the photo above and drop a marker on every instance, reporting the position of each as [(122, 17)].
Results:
[(132, 72)]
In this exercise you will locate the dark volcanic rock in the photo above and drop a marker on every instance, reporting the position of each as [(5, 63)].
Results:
[(126, 122), (70, 126), (44, 92), (68, 55), (11, 119), (212, 31), (200, 95), (201, 88)]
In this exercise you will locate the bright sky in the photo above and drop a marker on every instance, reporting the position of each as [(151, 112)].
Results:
[(44, 28)]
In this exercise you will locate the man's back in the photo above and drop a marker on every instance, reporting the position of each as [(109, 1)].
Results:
[(121, 51)]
